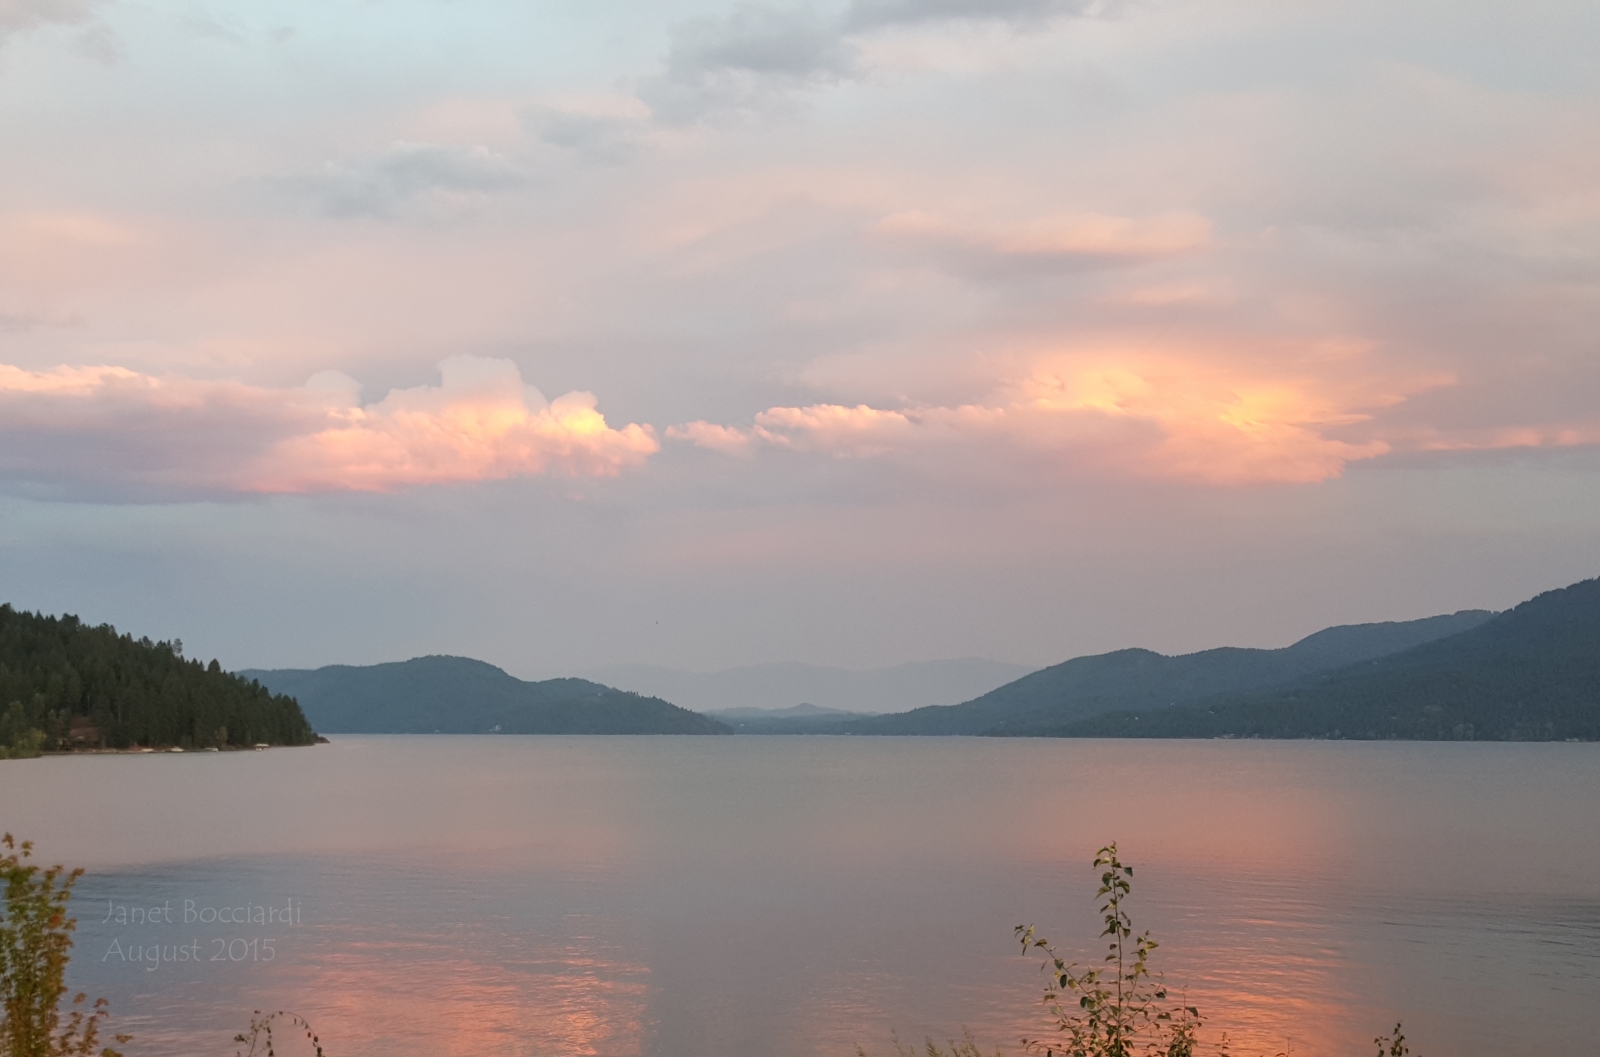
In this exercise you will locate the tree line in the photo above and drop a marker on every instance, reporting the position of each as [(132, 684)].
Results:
[(65, 684)]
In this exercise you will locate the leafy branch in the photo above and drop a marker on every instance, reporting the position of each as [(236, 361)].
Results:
[(1121, 1008), (258, 1039), (35, 938)]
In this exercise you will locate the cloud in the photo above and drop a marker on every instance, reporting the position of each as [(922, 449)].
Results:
[(112, 433), (1166, 417), (95, 41), (758, 58), (415, 180), (831, 428), (747, 61), (1054, 241), (19, 16), (481, 423), (611, 135), (875, 14), (1561, 435)]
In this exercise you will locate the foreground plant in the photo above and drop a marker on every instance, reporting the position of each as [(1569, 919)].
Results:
[(35, 938), (258, 1039), (1120, 1009), (1392, 1045)]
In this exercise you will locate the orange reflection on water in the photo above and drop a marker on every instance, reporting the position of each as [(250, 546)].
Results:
[(379, 997), (1271, 1004)]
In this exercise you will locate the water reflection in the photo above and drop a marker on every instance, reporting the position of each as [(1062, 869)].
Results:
[(674, 897)]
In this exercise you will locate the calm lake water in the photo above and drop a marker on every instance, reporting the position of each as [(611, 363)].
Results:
[(798, 896)]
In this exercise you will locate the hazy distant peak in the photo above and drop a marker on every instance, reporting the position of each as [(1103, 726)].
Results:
[(800, 711), (788, 684)]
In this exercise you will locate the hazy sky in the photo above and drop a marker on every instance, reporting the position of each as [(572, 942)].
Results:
[(706, 333)]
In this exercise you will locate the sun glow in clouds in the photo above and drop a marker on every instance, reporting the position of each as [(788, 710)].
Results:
[(1162, 416)]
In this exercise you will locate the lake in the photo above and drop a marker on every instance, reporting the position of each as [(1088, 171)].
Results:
[(681, 896)]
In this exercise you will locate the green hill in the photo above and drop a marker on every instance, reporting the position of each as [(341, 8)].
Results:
[(458, 695), (65, 684), (1531, 673), (1046, 700)]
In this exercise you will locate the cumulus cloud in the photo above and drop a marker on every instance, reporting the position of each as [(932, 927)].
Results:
[(480, 423), (109, 432), (417, 180), (1121, 414)]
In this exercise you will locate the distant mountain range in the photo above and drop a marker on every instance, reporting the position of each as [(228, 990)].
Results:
[(779, 686), (1530, 673), (797, 720), (457, 695), (1045, 701)]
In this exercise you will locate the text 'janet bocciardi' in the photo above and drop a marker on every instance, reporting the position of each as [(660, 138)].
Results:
[(154, 945)]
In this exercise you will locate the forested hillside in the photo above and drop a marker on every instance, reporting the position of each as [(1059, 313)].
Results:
[(459, 695), (1530, 674), (67, 684)]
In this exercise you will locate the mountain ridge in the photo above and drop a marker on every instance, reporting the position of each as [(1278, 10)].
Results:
[(1136, 678), (439, 693), (1531, 672)]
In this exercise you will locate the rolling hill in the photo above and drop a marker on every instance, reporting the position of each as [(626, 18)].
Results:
[(458, 695), (1531, 673)]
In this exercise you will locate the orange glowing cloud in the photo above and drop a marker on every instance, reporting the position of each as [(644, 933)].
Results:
[(1139, 414), (115, 432), (482, 423)]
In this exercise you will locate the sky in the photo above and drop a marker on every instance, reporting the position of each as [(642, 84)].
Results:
[(702, 334)]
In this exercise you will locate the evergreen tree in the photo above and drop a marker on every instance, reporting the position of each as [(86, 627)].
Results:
[(66, 684)]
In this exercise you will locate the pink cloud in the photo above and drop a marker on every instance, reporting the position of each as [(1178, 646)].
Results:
[(482, 423), (828, 428), (109, 431)]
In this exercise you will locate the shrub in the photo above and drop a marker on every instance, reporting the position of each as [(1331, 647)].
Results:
[(18, 738), (1120, 1009), (35, 936)]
